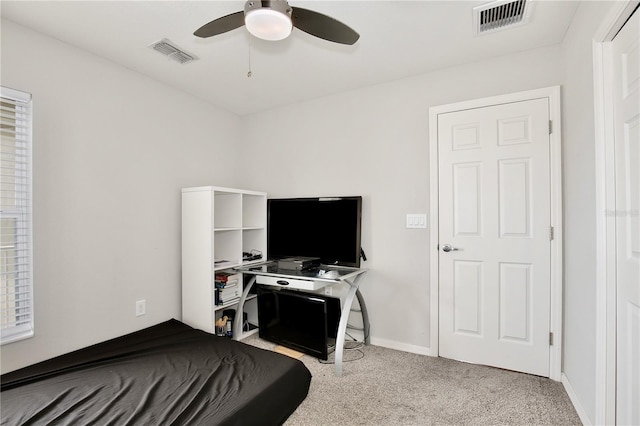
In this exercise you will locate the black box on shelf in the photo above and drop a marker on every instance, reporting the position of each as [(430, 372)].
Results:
[(299, 263)]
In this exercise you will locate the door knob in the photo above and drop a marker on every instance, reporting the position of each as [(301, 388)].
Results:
[(448, 247)]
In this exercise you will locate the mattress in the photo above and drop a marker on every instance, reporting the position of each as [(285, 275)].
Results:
[(166, 374)]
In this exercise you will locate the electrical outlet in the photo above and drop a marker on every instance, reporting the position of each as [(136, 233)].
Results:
[(141, 307)]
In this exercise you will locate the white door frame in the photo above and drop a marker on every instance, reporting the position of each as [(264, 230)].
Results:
[(605, 203), (555, 320)]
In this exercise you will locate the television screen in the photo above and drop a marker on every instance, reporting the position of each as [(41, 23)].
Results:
[(306, 322), (328, 228)]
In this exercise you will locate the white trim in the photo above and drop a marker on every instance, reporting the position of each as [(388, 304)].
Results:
[(555, 169), (605, 374), (584, 418), (553, 95), (615, 20), (434, 236), (605, 238), (400, 346)]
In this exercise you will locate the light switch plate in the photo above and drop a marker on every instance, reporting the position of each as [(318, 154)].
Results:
[(416, 220)]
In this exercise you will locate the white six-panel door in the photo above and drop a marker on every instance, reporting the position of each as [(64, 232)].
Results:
[(494, 234), (626, 79)]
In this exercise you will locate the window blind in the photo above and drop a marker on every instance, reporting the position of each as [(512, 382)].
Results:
[(16, 277)]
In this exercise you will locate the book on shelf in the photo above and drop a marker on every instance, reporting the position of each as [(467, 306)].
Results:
[(228, 284), (227, 279), (224, 277), (226, 292), (227, 295), (221, 301)]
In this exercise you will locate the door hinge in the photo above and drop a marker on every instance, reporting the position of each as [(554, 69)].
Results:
[(551, 233), (550, 339), (550, 126)]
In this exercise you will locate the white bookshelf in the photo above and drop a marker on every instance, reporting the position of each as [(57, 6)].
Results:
[(218, 225)]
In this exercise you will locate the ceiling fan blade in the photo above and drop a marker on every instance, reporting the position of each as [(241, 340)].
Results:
[(221, 25), (323, 26)]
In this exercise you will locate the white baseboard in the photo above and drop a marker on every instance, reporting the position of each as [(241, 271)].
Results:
[(399, 346), (584, 418)]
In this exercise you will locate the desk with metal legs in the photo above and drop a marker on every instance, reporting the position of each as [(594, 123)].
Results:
[(269, 274)]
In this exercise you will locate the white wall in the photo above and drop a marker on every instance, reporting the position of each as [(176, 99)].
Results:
[(113, 148), (580, 349), (374, 142), (111, 151)]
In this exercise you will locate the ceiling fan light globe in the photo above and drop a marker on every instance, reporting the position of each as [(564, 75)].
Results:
[(268, 24)]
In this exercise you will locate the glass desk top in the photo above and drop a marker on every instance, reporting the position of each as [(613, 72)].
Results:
[(322, 273)]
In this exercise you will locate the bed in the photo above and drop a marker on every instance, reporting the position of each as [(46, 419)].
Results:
[(168, 374)]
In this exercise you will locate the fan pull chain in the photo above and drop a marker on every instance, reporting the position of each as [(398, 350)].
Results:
[(249, 72)]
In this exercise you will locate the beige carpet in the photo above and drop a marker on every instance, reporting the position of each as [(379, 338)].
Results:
[(388, 387)]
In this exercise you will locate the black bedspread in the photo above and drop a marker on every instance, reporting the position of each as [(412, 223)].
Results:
[(168, 374)]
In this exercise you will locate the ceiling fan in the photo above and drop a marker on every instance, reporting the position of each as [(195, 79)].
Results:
[(274, 20)]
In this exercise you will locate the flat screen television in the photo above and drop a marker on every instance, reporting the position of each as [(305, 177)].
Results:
[(306, 322), (328, 228)]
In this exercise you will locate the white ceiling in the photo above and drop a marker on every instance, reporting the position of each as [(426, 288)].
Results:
[(397, 39)]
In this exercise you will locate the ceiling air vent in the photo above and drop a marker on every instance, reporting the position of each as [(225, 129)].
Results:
[(172, 51), (499, 15)]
